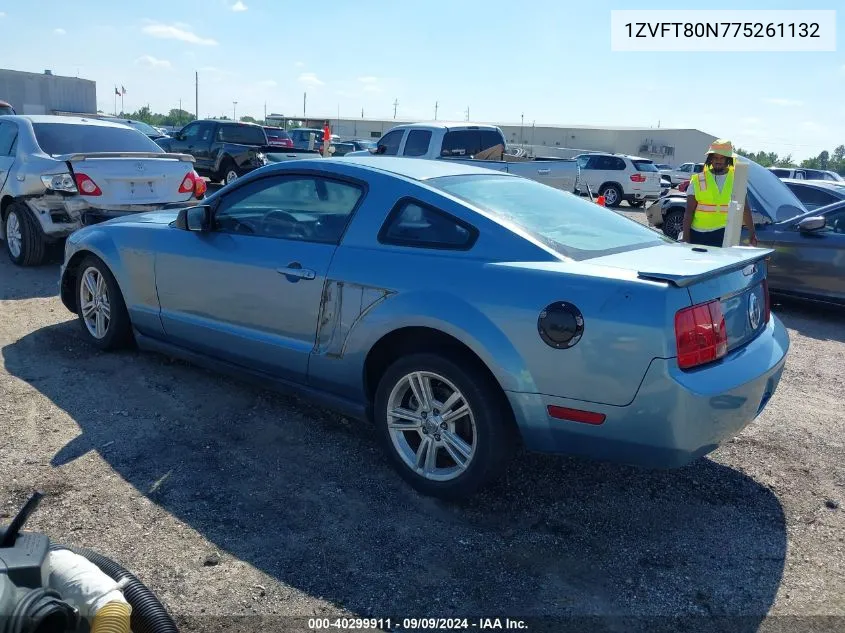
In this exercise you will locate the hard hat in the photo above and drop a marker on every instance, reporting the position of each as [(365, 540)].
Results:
[(723, 147)]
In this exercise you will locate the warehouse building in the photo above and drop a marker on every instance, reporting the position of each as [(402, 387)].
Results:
[(662, 145), (46, 93)]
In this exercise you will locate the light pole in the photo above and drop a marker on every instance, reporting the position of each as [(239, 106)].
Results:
[(234, 106)]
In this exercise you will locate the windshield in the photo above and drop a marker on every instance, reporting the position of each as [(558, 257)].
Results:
[(64, 138), (143, 127), (572, 226)]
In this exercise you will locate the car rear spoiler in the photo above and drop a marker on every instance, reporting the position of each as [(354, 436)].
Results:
[(746, 261), (74, 158)]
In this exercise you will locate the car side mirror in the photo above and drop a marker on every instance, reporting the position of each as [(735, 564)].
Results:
[(812, 225), (196, 219)]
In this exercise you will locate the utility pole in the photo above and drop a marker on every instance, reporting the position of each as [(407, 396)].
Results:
[(234, 106), (435, 110), (197, 88), (522, 129), (395, 106), (467, 113), (304, 97), (265, 113)]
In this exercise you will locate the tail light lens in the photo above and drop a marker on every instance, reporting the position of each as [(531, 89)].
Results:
[(637, 178), (767, 314), (86, 186), (199, 187), (700, 334), (189, 183)]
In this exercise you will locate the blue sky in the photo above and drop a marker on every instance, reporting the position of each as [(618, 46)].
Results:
[(547, 59)]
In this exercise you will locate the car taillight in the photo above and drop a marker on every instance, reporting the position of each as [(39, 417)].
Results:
[(767, 314), (188, 183), (87, 186), (199, 187), (637, 178), (700, 334)]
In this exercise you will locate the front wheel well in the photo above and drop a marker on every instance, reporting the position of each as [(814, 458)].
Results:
[(68, 288), (409, 340)]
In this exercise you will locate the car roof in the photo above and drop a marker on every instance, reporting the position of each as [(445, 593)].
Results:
[(823, 184), (67, 120), (412, 168)]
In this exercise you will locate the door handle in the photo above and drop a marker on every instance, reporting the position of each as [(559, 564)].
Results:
[(543, 172), (295, 270)]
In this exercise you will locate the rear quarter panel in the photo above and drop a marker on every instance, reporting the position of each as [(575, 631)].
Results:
[(493, 306)]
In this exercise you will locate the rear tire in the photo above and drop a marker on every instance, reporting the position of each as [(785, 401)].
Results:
[(100, 306), (673, 224), (229, 172), (25, 243), (473, 437), (612, 195)]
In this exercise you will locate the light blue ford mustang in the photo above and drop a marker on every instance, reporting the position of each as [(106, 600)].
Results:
[(463, 311)]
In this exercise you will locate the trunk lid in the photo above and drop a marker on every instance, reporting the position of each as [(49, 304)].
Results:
[(736, 277), (132, 178)]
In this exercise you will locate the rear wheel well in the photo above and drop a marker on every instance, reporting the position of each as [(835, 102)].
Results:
[(4, 204), (410, 340)]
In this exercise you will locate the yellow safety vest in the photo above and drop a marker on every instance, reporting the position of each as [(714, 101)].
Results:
[(711, 213)]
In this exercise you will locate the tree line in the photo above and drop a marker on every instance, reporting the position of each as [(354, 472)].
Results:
[(834, 162), (179, 118)]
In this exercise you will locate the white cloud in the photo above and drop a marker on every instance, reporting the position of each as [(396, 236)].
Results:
[(812, 126), (751, 120), (152, 62), (2, 14), (239, 6), (368, 80), (173, 32), (784, 102), (299, 64), (59, 31), (310, 79), (268, 83)]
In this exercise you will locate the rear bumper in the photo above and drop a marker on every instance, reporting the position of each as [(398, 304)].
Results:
[(676, 416)]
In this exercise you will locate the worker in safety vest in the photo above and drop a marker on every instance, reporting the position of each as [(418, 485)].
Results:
[(709, 199)]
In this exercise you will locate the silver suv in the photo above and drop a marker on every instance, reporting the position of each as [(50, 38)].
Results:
[(58, 173)]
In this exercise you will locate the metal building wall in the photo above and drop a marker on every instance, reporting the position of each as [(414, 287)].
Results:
[(33, 93)]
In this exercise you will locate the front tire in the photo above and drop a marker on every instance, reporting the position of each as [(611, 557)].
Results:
[(445, 426), (100, 306), (24, 242)]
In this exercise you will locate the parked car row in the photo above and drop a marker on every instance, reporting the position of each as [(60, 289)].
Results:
[(803, 222)]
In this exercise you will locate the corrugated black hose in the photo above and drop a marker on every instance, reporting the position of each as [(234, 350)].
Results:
[(148, 614)]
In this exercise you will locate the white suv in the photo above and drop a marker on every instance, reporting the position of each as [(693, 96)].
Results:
[(618, 177), (685, 172)]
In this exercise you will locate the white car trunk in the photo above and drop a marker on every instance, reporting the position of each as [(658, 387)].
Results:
[(130, 179)]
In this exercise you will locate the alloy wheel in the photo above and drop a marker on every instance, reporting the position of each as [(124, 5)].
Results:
[(431, 426)]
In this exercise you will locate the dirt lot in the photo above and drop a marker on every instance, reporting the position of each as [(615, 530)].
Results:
[(226, 499)]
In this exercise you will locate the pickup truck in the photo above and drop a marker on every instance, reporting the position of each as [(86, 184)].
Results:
[(478, 145), (226, 150)]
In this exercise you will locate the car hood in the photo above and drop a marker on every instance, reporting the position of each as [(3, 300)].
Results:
[(151, 217)]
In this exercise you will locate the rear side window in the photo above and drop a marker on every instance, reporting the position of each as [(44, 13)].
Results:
[(417, 143), (644, 165), (412, 223), (242, 134), (71, 138), (781, 173), (8, 134), (470, 142)]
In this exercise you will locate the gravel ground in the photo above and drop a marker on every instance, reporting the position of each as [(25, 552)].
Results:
[(229, 500)]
